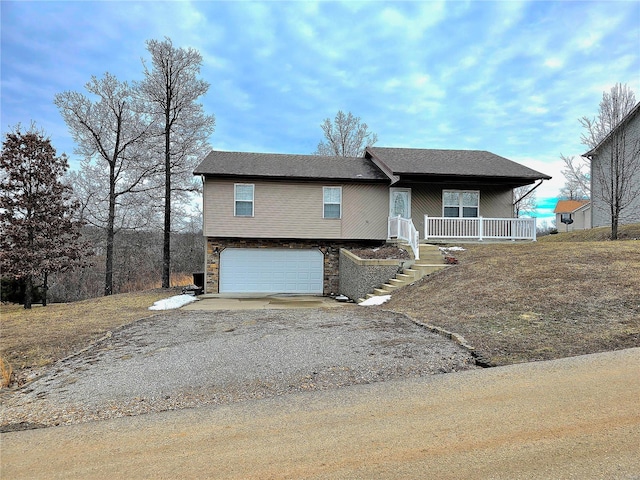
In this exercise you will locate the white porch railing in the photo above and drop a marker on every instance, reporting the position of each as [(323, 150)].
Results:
[(404, 229), (480, 228)]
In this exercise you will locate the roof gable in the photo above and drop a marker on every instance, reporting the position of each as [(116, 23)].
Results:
[(467, 163), (570, 206)]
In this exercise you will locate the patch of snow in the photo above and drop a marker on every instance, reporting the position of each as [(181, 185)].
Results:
[(376, 249), (379, 300), (451, 249), (173, 302), (342, 298)]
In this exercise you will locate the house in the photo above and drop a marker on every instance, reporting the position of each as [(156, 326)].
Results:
[(573, 215), (625, 140), (275, 223)]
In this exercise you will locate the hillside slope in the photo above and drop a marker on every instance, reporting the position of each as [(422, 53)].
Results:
[(534, 301)]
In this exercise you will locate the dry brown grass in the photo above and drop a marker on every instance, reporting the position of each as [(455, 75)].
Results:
[(6, 373), (535, 301), (177, 280), (42, 335), (625, 232)]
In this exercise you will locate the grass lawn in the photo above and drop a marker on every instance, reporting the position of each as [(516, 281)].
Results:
[(534, 301), (42, 335)]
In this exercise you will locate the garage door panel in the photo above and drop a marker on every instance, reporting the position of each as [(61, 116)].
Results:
[(263, 270)]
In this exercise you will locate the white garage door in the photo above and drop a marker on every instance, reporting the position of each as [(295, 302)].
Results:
[(271, 270)]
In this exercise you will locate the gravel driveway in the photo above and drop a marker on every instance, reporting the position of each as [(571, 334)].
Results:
[(183, 359)]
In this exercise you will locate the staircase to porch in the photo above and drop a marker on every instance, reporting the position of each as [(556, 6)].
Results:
[(431, 261)]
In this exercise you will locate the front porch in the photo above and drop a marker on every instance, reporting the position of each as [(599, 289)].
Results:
[(476, 229)]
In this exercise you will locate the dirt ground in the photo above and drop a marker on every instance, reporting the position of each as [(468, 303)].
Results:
[(564, 419)]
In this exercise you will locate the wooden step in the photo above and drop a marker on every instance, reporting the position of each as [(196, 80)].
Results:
[(397, 282), (379, 291), (405, 278), (413, 273)]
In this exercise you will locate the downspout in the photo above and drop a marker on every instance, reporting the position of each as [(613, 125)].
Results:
[(591, 196)]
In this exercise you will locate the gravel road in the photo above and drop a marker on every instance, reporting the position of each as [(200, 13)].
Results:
[(574, 418), (184, 359)]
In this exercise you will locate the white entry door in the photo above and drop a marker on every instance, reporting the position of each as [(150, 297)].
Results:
[(400, 202), (271, 270)]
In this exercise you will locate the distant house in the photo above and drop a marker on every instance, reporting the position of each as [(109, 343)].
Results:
[(573, 215), (626, 135), (275, 223)]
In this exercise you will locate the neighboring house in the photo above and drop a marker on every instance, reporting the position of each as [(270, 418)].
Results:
[(275, 223), (626, 135), (575, 213)]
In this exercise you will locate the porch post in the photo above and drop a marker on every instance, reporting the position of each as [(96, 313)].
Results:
[(480, 229), (426, 227), (535, 230)]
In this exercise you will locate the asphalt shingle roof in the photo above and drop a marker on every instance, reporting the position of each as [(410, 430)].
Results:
[(398, 162), (569, 206), (276, 165), (468, 163)]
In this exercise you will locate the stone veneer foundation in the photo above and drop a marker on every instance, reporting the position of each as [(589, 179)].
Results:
[(329, 248)]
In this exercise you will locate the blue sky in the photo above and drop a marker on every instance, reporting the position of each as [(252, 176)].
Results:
[(508, 77)]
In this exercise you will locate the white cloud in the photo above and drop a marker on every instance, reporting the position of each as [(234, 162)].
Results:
[(553, 62)]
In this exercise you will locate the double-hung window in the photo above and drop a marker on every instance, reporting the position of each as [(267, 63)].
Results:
[(243, 196), (460, 203), (332, 202)]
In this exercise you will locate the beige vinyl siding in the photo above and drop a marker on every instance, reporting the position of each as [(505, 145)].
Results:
[(294, 210), (365, 209), (495, 202)]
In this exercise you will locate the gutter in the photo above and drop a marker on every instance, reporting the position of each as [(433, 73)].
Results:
[(529, 192)]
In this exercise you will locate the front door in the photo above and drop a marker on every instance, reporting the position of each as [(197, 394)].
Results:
[(400, 202)]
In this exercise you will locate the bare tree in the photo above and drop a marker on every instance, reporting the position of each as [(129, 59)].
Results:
[(525, 203), (111, 131), (170, 89), (577, 174), (38, 235), (614, 139), (614, 106), (345, 136)]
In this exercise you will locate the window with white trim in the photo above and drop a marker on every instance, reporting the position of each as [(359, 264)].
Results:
[(243, 196), (332, 202), (460, 203)]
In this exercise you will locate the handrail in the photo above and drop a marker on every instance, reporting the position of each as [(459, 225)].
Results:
[(480, 228), (404, 229)]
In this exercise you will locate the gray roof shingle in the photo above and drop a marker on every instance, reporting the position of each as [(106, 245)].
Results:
[(467, 163), (398, 162), (274, 165)]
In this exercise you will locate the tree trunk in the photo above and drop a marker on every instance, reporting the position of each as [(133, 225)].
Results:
[(45, 287), (166, 253), (108, 279), (28, 291)]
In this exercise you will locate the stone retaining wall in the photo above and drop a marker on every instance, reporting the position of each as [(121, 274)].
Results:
[(360, 276)]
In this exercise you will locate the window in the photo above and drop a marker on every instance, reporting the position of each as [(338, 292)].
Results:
[(243, 194), (332, 200), (460, 203)]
